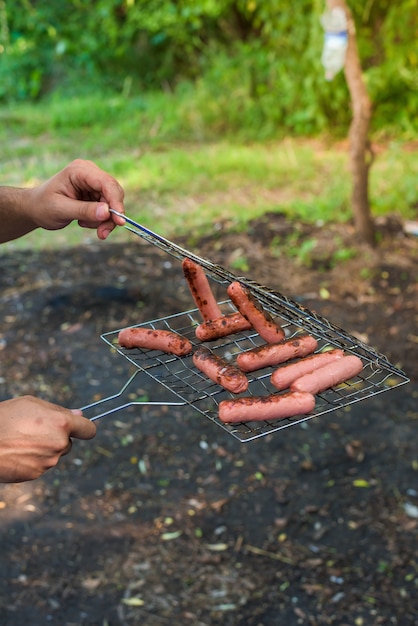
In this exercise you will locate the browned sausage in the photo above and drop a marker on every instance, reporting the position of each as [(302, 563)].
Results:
[(252, 310), (164, 340), (200, 289), (264, 408), (329, 375), (275, 353), (220, 371), (222, 326), (284, 376)]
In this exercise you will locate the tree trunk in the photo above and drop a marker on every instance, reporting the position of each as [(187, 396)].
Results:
[(361, 154)]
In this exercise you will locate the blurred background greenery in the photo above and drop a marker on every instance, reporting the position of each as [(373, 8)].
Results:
[(208, 109)]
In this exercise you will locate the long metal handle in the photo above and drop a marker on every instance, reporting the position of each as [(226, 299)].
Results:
[(125, 405), (216, 271)]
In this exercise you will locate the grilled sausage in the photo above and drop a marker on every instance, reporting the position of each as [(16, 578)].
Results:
[(201, 291), (264, 408), (164, 340), (252, 310), (220, 371), (284, 376), (275, 353), (329, 375), (222, 326)]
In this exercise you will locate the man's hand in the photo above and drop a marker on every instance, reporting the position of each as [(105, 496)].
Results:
[(81, 191), (34, 434)]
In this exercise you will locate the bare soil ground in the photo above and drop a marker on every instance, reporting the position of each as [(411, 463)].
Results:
[(164, 518)]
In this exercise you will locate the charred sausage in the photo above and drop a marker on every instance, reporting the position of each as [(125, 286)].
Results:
[(164, 340), (329, 375), (222, 326), (252, 310), (220, 371), (275, 353), (284, 376), (264, 408), (201, 291)]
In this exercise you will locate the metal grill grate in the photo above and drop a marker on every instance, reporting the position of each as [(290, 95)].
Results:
[(191, 387)]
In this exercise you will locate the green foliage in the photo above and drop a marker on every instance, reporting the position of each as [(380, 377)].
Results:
[(253, 65), (306, 252), (181, 188), (390, 54), (301, 249)]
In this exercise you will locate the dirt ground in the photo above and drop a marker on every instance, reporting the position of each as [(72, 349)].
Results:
[(164, 518)]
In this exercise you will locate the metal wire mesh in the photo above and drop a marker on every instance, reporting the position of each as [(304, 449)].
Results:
[(181, 378)]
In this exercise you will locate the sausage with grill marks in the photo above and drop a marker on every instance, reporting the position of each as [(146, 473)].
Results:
[(252, 310), (200, 289), (329, 375), (284, 376), (265, 408), (149, 338), (220, 371), (274, 353), (222, 327)]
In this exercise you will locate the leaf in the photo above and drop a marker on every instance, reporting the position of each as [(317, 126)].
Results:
[(217, 547), (225, 607), (170, 536), (91, 583), (361, 482), (411, 510), (133, 601)]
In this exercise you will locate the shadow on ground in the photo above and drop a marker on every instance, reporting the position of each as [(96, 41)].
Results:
[(164, 518)]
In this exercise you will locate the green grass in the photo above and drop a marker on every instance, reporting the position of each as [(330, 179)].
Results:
[(179, 182)]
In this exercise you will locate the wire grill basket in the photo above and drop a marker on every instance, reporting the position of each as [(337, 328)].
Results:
[(192, 388)]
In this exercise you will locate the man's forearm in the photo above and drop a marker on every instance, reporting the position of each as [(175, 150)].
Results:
[(15, 219), (80, 192)]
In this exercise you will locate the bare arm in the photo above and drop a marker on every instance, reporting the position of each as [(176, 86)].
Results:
[(34, 434), (81, 191)]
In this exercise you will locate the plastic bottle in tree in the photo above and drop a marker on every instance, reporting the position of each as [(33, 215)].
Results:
[(334, 23)]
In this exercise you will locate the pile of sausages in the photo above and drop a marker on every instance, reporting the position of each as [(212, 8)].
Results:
[(304, 378)]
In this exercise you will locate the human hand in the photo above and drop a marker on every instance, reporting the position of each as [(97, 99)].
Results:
[(82, 192), (34, 434)]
